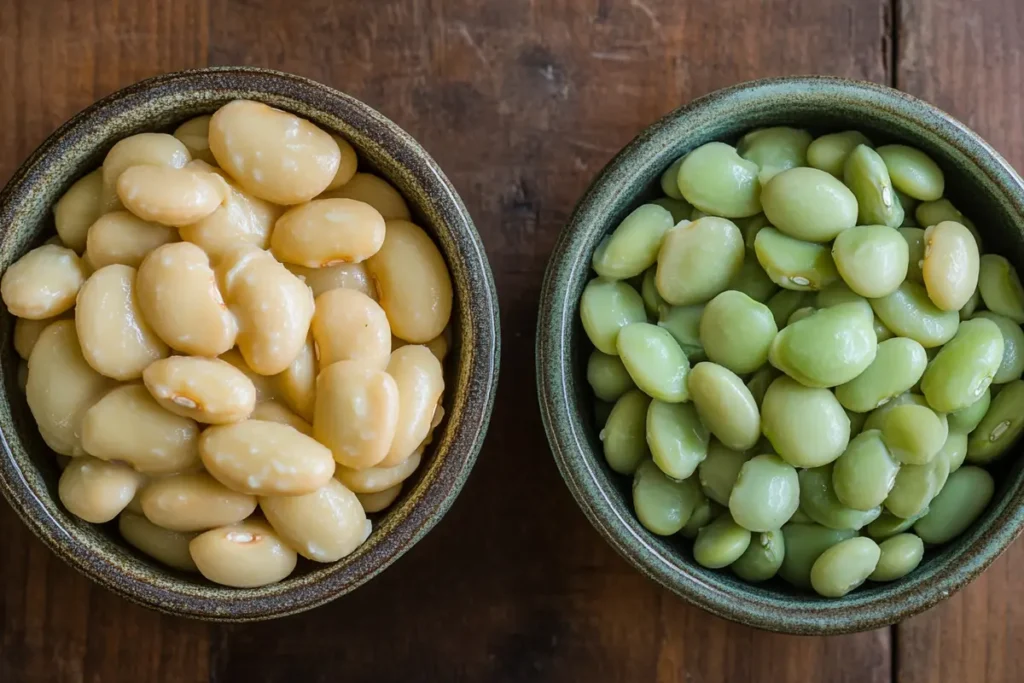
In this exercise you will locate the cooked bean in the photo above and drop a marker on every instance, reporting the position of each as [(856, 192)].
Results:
[(43, 283), (144, 149), (122, 237), (677, 439), (715, 179), (819, 500), (809, 204), (325, 232), (865, 473), (296, 384), (718, 472), (57, 361), (273, 154), (97, 491), (960, 502), (705, 512), (662, 505), (195, 135), (915, 487), (655, 361), (867, 177), (967, 419), (274, 308), (794, 264), (27, 332), (624, 434), (898, 365), (115, 338), (669, 181), (965, 366), (888, 525), (950, 265), (323, 526), (752, 280), (244, 555), (899, 556), (420, 381), (804, 545), (913, 434), (356, 413), (377, 479), (266, 387), (998, 429), (725, 406), (679, 208), (633, 247), (933, 213), (194, 502), (720, 543), (1012, 364), (240, 219), (913, 172), (806, 426), (783, 304), (831, 347), (910, 313), (1000, 287), (760, 381), (272, 411), (348, 164), (78, 209), (380, 501), (844, 566), (766, 494), (698, 260), (914, 238), (606, 307), (829, 152), (168, 547), (762, 558), (265, 458), (339, 276), (872, 259), (413, 282), (683, 323), (129, 425), (876, 417), (348, 325), (178, 294), (208, 390), (377, 192), (731, 311), (607, 376), (171, 196), (774, 150)]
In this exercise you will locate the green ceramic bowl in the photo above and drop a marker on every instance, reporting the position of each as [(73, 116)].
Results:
[(979, 182), (28, 471)]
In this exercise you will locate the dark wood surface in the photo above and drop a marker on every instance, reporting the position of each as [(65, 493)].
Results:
[(522, 102)]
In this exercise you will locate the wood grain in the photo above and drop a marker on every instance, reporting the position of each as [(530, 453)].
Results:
[(967, 59), (521, 102)]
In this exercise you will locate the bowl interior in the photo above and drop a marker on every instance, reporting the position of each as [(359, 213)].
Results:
[(29, 470), (978, 182)]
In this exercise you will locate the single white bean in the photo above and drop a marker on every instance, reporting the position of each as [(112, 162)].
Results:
[(43, 283), (97, 491), (244, 555), (208, 390), (323, 526), (356, 413)]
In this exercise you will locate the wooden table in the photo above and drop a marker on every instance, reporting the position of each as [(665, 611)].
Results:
[(522, 102)]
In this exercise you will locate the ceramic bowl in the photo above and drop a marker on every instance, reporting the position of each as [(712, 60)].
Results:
[(978, 181), (28, 472)]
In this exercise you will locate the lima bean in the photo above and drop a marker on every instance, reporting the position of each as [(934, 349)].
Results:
[(950, 265), (867, 177), (624, 433), (605, 308), (792, 263), (809, 204), (961, 501), (766, 494), (899, 555), (1000, 427), (964, 367), (655, 361), (898, 365), (913, 172), (762, 558), (717, 180), (698, 260), (662, 505), (717, 473), (723, 316), (872, 259), (774, 150), (819, 500), (806, 426), (844, 566), (908, 312), (1000, 287), (865, 473), (677, 438), (720, 543), (829, 152), (804, 545), (683, 323), (829, 348), (633, 246), (1012, 364), (725, 405)]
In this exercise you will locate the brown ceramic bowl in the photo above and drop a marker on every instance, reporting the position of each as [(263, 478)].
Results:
[(28, 470)]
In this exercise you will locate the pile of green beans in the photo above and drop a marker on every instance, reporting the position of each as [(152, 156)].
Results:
[(804, 359)]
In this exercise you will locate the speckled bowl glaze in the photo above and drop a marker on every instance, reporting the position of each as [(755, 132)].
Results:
[(979, 182), (28, 472)]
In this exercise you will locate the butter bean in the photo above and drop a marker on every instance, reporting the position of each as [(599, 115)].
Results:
[(960, 502), (663, 505), (244, 555), (144, 149), (195, 135), (377, 192), (677, 439), (78, 209), (829, 152), (377, 479), (623, 435), (273, 154), (1012, 364), (808, 204), (910, 313), (129, 425), (265, 458), (1000, 287), (715, 179), (339, 276), (115, 338), (179, 298), (296, 385), (273, 307), (206, 390), (950, 266), (272, 411), (420, 381), (348, 325), (26, 332), (240, 219), (323, 526), (872, 259), (194, 502), (356, 413), (380, 501), (348, 165), (830, 347), (266, 387), (807, 427), (964, 367), (43, 283), (726, 407), (168, 547), (61, 387), (655, 361), (998, 430), (171, 196), (633, 247), (325, 232), (122, 237), (97, 491), (794, 264), (413, 282), (698, 260)]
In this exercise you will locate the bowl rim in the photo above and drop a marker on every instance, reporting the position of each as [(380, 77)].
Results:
[(476, 367), (579, 465)]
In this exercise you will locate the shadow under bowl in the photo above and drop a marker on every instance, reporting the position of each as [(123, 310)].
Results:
[(978, 181), (28, 470)]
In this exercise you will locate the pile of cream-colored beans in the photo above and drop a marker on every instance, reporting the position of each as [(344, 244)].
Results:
[(235, 343)]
